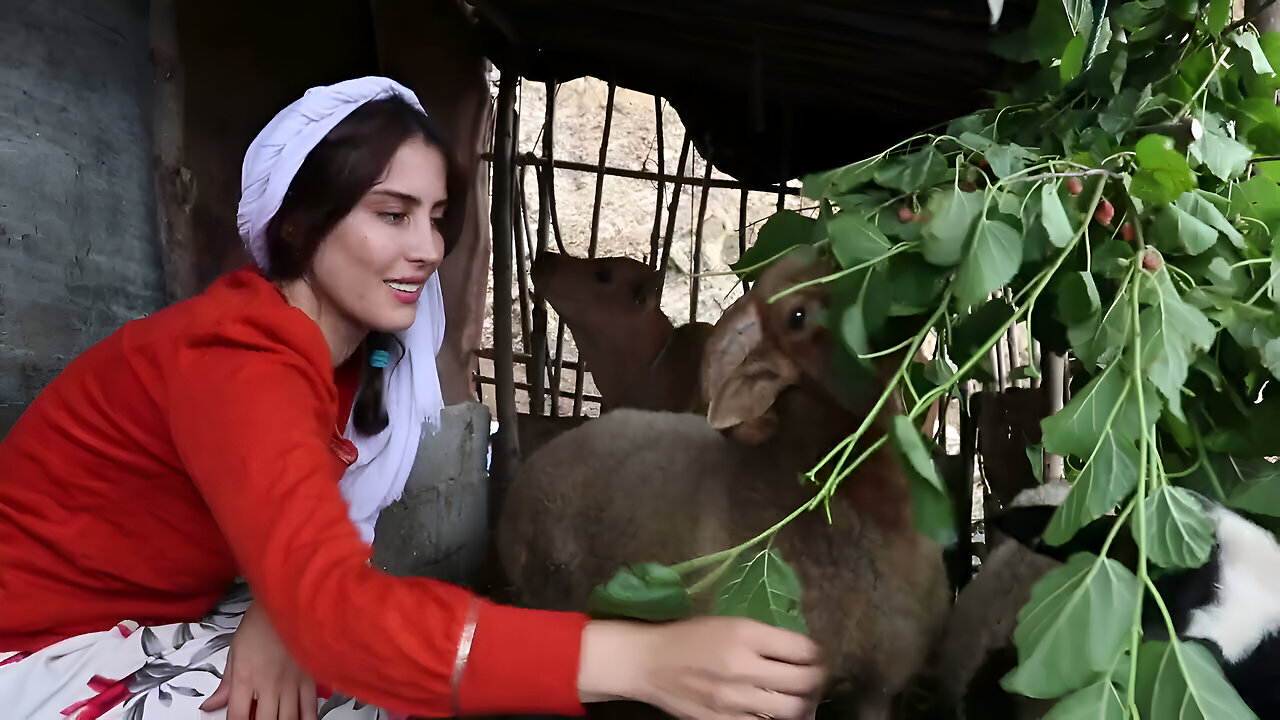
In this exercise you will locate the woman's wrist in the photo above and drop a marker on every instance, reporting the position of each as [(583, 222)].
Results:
[(611, 665)]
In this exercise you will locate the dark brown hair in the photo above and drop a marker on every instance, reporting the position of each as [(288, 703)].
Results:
[(332, 179)]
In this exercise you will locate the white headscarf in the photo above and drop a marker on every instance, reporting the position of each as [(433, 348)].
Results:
[(377, 477)]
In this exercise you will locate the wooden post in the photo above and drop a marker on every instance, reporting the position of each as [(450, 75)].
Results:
[(671, 211), (742, 232), (579, 381), (697, 244), (655, 238), (537, 372), (174, 182), (506, 446), (1055, 371)]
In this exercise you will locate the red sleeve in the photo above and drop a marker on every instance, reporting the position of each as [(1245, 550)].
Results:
[(252, 429)]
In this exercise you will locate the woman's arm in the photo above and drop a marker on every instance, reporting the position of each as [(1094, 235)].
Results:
[(253, 430)]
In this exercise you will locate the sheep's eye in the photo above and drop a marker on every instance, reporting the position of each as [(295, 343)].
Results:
[(795, 320), (603, 275)]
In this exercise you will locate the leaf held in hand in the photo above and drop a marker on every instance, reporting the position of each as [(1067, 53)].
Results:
[(645, 591), (764, 588)]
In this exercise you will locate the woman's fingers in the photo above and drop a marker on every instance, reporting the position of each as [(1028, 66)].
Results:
[(241, 701), (308, 700), (784, 645), (799, 680)]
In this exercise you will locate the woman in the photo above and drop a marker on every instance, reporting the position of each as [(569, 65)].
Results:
[(207, 442)]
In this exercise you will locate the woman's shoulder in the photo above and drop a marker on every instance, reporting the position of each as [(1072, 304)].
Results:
[(240, 311), (240, 329)]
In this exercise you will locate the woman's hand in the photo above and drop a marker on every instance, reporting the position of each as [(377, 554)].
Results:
[(707, 667), (259, 667)]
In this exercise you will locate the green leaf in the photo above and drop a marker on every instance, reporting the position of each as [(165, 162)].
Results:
[(1110, 473), (1073, 627), (917, 285), (1163, 174), (1024, 372), (854, 240), (1207, 207), (1222, 154), (1079, 15), (1178, 534), (1079, 298), (1178, 230), (646, 591), (1077, 427), (840, 180), (1099, 701), (1055, 216), (1271, 357), (1186, 683), (992, 261), (952, 214), (1219, 15), (766, 589), (1101, 343), (1172, 332), (914, 172), (1248, 42), (1257, 485), (930, 503), (1035, 454), (853, 330), (1121, 112), (1072, 58), (784, 230), (1259, 198), (971, 333), (1006, 160)]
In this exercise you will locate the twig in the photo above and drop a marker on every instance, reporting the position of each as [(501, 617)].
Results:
[(1082, 173), (1248, 18)]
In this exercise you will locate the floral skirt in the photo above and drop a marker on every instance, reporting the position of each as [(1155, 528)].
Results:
[(140, 673)]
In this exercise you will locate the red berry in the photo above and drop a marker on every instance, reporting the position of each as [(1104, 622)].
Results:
[(982, 163), (1074, 186), (905, 214), (1128, 232), (1151, 260), (1104, 213)]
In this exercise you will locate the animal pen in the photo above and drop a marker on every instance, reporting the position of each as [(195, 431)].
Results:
[(537, 380)]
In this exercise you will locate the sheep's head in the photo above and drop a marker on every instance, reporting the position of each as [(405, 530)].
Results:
[(594, 292), (759, 349)]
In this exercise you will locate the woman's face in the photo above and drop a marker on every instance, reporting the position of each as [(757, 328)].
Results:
[(372, 266)]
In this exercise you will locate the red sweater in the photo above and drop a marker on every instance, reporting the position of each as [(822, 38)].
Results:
[(202, 443)]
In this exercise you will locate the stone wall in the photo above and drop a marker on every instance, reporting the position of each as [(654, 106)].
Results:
[(78, 253)]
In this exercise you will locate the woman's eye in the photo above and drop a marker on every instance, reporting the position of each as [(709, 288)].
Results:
[(393, 218)]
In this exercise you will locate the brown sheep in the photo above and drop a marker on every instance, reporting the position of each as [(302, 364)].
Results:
[(639, 486), (638, 359)]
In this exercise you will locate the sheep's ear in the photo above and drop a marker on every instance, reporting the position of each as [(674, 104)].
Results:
[(750, 391), (737, 333)]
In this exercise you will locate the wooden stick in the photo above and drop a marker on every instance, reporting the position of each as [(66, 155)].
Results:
[(656, 237), (531, 159), (671, 211), (742, 232), (538, 374), (697, 244), (506, 447)]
